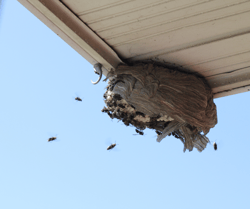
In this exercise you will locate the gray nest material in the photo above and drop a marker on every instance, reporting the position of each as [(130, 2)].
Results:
[(168, 101)]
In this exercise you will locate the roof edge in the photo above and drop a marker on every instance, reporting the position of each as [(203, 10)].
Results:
[(73, 31)]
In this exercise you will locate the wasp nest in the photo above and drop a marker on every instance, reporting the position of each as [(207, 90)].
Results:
[(169, 101)]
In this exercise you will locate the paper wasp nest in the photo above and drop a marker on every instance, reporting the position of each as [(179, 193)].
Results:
[(151, 96)]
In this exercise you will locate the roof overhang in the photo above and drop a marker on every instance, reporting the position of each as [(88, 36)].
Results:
[(224, 55)]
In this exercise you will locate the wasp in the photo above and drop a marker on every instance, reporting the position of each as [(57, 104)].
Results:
[(78, 99), (111, 146), (140, 113), (51, 139), (139, 132), (121, 106), (105, 110), (215, 146)]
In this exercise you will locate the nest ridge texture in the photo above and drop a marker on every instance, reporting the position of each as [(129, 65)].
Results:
[(148, 95)]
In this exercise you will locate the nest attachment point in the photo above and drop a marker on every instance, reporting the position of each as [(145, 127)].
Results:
[(171, 102)]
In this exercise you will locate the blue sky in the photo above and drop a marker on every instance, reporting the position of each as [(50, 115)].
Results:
[(40, 76)]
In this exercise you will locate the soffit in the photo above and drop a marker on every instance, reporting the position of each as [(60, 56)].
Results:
[(210, 37)]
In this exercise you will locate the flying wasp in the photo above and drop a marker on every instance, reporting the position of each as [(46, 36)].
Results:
[(139, 132), (111, 146), (215, 146), (51, 139), (78, 99)]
